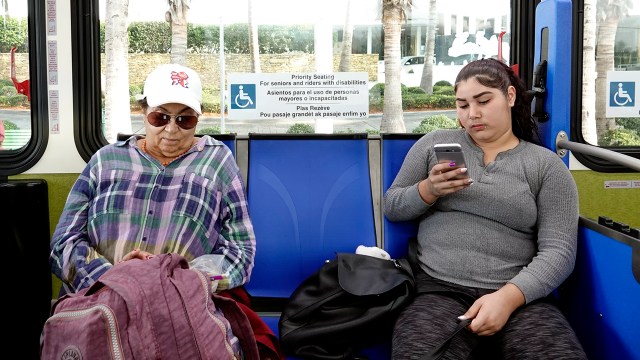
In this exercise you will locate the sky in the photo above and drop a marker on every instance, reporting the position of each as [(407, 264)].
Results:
[(289, 11), (281, 11), (299, 11), (17, 8), (265, 12)]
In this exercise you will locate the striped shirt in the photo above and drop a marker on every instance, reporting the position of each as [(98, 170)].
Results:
[(125, 199)]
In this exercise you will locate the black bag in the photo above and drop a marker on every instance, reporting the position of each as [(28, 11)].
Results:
[(350, 303)]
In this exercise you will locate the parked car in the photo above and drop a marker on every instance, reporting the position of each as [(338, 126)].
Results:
[(412, 64), (411, 71)]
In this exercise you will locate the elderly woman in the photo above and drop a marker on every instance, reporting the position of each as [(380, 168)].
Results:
[(166, 192)]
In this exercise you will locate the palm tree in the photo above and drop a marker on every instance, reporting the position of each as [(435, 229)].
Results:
[(347, 40), (4, 4), (589, 73), (393, 16), (253, 40), (117, 111), (426, 82), (177, 17), (609, 14)]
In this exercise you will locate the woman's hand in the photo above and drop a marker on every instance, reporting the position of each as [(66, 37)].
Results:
[(137, 254), (441, 182), (492, 311)]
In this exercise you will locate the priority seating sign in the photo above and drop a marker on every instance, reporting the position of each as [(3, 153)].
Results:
[(623, 88), (298, 95)]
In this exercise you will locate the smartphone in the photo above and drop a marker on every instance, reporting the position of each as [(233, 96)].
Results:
[(451, 153)]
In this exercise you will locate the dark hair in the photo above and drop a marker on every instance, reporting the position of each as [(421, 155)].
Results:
[(143, 104), (498, 75)]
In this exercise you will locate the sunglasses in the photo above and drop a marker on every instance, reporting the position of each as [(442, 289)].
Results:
[(186, 122)]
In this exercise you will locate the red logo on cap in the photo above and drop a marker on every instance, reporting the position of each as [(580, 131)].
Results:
[(180, 78)]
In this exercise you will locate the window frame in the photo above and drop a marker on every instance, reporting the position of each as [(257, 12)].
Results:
[(13, 162), (591, 162), (85, 54), (87, 82)]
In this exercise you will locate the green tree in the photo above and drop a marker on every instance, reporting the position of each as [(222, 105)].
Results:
[(300, 128), (426, 82), (620, 137), (609, 13), (435, 122), (177, 16), (117, 113), (347, 40), (253, 40), (13, 33), (393, 16)]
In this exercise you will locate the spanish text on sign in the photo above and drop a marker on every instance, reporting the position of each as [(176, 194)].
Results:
[(298, 95)]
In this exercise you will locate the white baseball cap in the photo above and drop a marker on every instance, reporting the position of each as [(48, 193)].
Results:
[(173, 83)]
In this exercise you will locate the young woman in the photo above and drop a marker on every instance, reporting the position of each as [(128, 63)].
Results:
[(494, 244)]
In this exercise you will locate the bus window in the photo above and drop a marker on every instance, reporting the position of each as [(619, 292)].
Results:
[(24, 116), (15, 113), (290, 37), (610, 54)]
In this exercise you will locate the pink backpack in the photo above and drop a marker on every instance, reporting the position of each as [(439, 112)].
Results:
[(146, 309)]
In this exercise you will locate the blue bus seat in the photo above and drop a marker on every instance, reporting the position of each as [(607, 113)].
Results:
[(227, 139), (309, 198), (601, 298), (394, 148)]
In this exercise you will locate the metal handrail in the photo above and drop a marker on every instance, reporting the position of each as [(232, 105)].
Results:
[(606, 154)]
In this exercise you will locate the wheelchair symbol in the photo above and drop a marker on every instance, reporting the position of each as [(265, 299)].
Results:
[(621, 97), (243, 99)]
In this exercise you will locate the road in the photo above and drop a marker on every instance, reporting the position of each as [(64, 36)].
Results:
[(22, 118)]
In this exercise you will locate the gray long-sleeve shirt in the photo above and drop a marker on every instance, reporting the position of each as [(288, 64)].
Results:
[(517, 223)]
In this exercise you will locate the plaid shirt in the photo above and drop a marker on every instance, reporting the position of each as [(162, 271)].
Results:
[(125, 199)]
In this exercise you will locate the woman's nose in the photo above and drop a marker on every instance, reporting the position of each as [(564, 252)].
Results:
[(172, 125), (474, 111)]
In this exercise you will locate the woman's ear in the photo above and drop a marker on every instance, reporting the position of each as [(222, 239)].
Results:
[(511, 95)]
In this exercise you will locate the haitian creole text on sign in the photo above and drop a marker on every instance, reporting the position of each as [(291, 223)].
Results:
[(343, 95)]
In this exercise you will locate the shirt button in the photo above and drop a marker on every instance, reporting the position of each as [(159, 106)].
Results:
[(144, 238)]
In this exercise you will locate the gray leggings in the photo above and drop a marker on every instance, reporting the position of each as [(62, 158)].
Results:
[(537, 330)]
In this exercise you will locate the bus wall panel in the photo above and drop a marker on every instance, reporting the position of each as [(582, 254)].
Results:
[(601, 296)]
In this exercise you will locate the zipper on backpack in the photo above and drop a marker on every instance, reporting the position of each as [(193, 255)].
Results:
[(111, 321), (205, 285)]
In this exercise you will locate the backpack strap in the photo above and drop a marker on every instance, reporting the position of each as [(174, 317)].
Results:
[(437, 352), (240, 325), (434, 287)]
